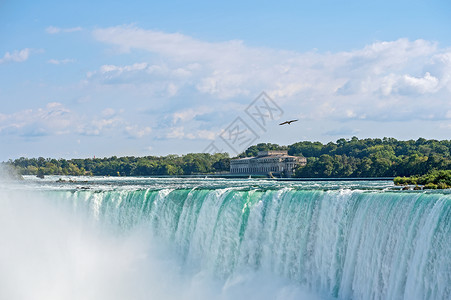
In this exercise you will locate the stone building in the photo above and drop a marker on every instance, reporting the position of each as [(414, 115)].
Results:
[(267, 162)]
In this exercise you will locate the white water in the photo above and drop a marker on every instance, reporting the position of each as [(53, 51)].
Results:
[(224, 243)]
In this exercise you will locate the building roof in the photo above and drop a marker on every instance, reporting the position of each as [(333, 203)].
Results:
[(272, 153), (268, 154)]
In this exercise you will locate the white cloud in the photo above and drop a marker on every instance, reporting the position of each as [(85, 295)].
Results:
[(179, 133), (217, 64), (98, 126), (426, 84), (169, 44), (155, 79), (171, 89), (108, 112), (377, 82), (137, 132), (16, 56), (176, 133), (189, 114), (60, 62), (440, 67), (118, 70), (55, 30), (56, 119), (110, 124), (409, 85), (206, 134)]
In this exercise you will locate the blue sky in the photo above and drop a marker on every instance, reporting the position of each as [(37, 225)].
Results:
[(139, 78)]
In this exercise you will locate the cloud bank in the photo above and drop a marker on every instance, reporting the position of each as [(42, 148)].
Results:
[(56, 119), (169, 88), (395, 80)]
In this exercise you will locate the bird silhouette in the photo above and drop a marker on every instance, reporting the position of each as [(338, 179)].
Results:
[(288, 122)]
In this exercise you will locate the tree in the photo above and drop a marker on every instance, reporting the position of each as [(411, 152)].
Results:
[(40, 173), (345, 158)]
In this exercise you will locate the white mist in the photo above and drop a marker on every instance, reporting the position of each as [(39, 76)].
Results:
[(50, 252)]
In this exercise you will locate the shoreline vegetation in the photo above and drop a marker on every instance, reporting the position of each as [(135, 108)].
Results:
[(436, 179), (411, 162)]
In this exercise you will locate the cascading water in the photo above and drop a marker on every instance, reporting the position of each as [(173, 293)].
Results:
[(336, 243)]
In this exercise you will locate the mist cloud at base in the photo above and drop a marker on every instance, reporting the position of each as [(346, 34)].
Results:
[(8, 173)]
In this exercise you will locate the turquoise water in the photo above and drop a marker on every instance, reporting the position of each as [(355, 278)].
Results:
[(300, 240)]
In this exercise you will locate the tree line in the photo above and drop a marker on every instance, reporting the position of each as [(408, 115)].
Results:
[(353, 157), (189, 164)]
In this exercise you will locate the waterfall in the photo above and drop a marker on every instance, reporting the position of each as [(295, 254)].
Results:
[(345, 244)]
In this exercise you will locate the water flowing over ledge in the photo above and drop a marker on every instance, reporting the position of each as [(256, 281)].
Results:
[(347, 244)]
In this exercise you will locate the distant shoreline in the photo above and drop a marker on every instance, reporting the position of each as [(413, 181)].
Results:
[(354, 160), (243, 176), (338, 179)]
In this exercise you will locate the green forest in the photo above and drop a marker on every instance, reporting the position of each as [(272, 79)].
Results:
[(354, 157), (193, 163)]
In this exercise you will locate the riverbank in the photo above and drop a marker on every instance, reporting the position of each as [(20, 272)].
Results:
[(433, 180)]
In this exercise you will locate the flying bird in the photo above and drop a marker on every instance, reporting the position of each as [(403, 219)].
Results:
[(288, 122)]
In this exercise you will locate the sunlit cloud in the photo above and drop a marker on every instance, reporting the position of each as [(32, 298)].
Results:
[(55, 119), (376, 82), (55, 30), (189, 114), (136, 131), (180, 132), (60, 61), (16, 56), (98, 126)]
